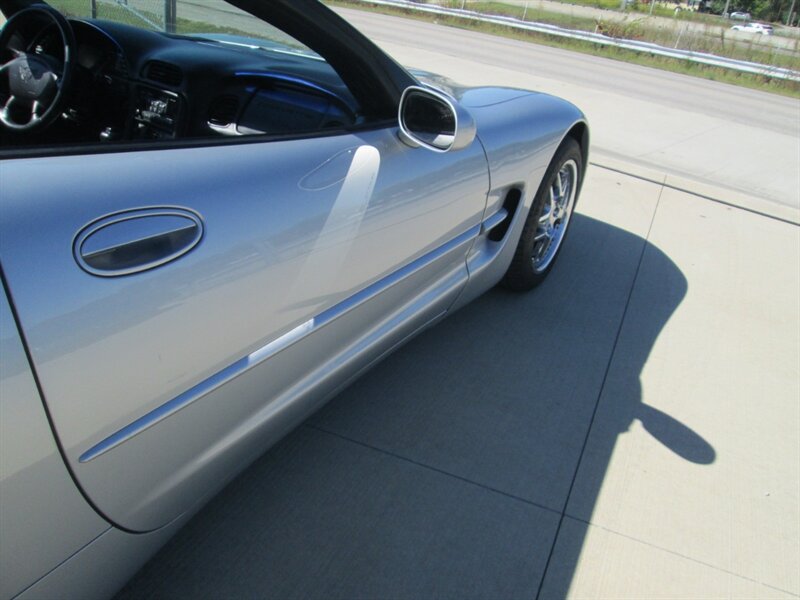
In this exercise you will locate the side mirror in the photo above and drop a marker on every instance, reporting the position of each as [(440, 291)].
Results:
[(434, 121)]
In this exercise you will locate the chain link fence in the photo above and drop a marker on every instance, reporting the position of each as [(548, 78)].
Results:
[(152, 14), (156, 14)]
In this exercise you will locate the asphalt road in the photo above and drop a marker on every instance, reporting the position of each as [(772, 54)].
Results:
[(657, 87), (788, 42), (706, 131)]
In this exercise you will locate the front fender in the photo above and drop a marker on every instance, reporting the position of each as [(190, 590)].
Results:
[(520, 132)]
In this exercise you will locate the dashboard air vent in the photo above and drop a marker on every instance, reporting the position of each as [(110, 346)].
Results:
[(163, 73), (223, 110)]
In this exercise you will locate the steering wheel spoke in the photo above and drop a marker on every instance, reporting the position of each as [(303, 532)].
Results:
[(37, 110), (14, 108)]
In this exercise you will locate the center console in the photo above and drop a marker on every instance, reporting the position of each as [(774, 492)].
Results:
[(156, 113)]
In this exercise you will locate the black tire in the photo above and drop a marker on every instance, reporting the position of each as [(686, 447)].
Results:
[(525, 273)]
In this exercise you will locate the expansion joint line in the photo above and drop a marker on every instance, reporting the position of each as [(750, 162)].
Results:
[(427, 467), (599, 394)]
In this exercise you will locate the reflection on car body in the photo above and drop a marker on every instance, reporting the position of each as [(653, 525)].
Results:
[(204, 236)]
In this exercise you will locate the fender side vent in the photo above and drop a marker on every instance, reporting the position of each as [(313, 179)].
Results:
[(162, 72), (510, 204)]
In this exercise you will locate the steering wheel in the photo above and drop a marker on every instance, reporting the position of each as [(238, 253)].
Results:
[(37, 84)]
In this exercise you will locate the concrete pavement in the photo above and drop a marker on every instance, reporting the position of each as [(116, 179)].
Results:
[(629, 430), (707, 473)]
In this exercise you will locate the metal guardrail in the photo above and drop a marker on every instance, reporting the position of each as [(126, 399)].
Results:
[(598, 38)]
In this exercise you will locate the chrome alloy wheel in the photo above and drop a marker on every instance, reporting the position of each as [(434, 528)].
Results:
[(555, 216)]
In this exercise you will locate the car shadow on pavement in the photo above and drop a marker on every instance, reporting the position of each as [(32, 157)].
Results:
[(446, 471)]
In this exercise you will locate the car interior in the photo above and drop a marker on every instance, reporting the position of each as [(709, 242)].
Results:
[(67, 81)]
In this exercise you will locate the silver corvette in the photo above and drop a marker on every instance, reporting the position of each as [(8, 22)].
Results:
[(206, 231)]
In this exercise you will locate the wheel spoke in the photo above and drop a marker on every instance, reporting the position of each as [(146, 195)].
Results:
[(550, 207), (560, 184), (557, 210), (540, 249), (553, 221), (562, 198), (567, 192), (565, 184)]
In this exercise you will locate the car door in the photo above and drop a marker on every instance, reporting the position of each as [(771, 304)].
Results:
[(184, 308)]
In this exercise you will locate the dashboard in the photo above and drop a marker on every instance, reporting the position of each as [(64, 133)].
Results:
[(133, 84)]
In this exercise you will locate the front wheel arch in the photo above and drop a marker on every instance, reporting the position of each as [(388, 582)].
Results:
[(530, 264), (580, 133)]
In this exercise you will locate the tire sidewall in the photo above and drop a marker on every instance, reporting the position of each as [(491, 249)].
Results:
[(521, 274)]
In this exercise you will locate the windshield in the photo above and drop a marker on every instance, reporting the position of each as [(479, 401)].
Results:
[(210, 18)]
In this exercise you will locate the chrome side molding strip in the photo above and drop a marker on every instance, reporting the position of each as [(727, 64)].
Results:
[(272, 348)]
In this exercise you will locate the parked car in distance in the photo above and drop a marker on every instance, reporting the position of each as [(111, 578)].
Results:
[(761, 28), (208, 228), (740, 16)]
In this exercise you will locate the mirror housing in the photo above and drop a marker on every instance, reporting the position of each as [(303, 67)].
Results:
[(432, 120)]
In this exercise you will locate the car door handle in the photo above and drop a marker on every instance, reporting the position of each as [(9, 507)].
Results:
[(137, 240)]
